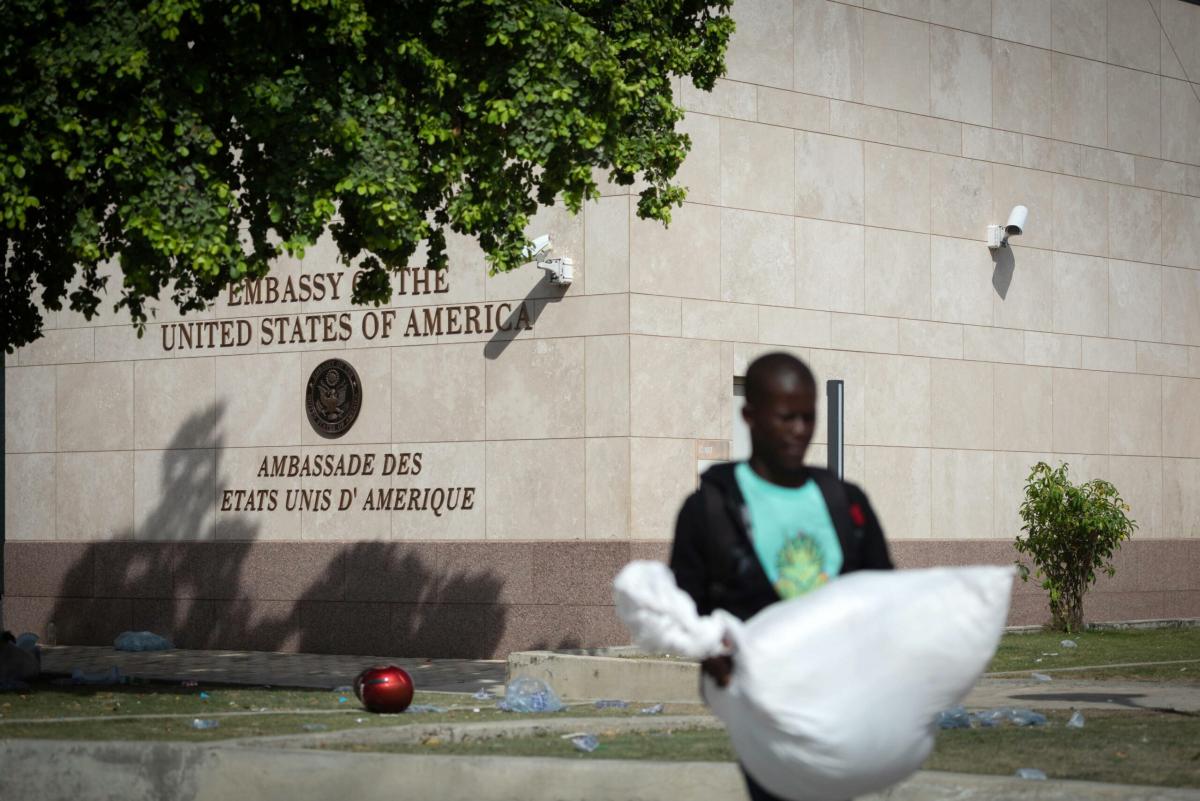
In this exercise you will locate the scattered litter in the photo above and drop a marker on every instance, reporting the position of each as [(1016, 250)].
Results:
[(1041, 676), (651, 710), (345, 689), (342, 699), (111, 676), (1038, 661), (481, 695), (1069, 644), (527, 694), (315, 727), (1050, 654), (141, 641), (204, 696), (476, 709), (200, 723), (1076, 721), (360, 720), (1031, 773), (190, 683), (956, 717), (953, 718), (585, 742), (607, 703), (418, 709)]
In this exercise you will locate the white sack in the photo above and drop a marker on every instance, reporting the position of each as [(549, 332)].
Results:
[(834, 694)]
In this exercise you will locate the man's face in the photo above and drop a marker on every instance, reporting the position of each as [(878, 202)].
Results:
[(781, 423)]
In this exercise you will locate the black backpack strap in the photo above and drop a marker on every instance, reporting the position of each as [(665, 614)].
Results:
[(849, 535)]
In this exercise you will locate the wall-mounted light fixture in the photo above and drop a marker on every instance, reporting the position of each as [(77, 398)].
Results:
[(997, 235)]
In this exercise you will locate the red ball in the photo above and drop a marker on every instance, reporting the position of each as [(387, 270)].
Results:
[(384, 689)]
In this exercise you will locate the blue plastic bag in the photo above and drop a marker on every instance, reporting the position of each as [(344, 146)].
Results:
[(525, 694), (141, 641)]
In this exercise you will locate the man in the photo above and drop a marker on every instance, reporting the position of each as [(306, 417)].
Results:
[(772, 528)]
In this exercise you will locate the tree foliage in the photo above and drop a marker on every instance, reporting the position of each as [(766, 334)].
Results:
[(196, 140), (1072, 531)]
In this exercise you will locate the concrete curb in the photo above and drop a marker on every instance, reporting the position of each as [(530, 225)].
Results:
[(587, 676), (50, 770)]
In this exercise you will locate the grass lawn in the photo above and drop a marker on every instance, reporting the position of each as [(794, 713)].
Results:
[(1121, 747), (1030, 652)]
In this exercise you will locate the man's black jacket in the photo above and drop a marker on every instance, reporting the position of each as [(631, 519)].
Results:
[(714, 560)]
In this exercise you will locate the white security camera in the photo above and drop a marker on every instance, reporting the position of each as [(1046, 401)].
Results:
[(561, 269), (998, 235), (539, 245)]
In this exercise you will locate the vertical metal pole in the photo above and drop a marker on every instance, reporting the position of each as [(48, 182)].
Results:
[(835, 395)]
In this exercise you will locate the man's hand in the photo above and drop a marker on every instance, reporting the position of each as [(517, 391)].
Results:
[(720, 668)]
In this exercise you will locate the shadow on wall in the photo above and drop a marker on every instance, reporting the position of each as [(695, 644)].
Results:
[(542, 294), (208, 585), (1002, 272)]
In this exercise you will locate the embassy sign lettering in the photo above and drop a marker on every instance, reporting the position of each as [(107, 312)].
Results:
[(372, 325)]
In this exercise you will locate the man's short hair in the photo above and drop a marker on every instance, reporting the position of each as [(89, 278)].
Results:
[(768, 368)]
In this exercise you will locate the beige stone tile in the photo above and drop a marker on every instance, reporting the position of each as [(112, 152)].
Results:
[(94, 496), (744, 353), (967, 15), (662, 473), (863, 333), (1181, 231), (1027, 21), (1135, 414), (1133, 33), (607, 386), (1012, 470), (1106, 165), (459, 470), (1021, 87), (758, 257), (173, 494), (63, 346), (828, 58), (582, 316), (864, 122), (515, 469), (1181, 502), (993, 344), (95, 406), (795, 327), (1158, 174), (30, 409), (1116, 355), (29, 490), (900, 483), (991, 144), (1084, 466), (1181, 21), (897, 418), (830, 265), (829, 177), (964, 484), (607, 485), (1193, 181), (757, 166), (897, 188), (606, 229), (1078, 27), (1181, 306), (655, 314), (961, 73), (1139, 479), (1194, 362), (1080, 411), (913, 9), (1023, 407), (682, 259), (793, 109), (242, 507), (761, 48), (1080, 295), (1155, 358), (1033, 189), (438, 392), (536, 389), (929, 133), (1135, 300), (960, 281), (1080, 215), (677, 388), (961, 196), (1052, 155), (1053, 350), (1135, 224), (174, 403), (1180, 422), (468, 278), (941, 340), (1078, 108), (265, 395), (897, 273), (849, 367), (118, 343), (1180, 121), (1024, 295), (895, 62), (1134, 112), (374, 422), (1170, 60), (962, 404), (711, 319), (727, 99)]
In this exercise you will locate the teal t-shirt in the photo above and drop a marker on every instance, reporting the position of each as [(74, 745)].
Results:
[(792, 533)]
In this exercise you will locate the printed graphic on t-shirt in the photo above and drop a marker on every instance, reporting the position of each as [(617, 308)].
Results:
[(801, 566)]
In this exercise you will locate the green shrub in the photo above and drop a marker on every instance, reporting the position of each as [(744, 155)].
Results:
[(1072, 531)]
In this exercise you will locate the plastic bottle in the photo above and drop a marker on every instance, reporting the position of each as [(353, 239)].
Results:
[(51, 633), (200, 723)]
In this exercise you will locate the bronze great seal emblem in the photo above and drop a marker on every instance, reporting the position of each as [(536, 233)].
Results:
[(333, 398)]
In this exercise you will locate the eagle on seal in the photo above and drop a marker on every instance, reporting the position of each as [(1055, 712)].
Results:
[(332, 398)]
